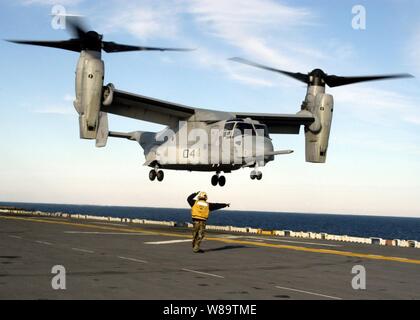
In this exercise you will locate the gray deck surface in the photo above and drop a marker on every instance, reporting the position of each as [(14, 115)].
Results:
[(128, 261)]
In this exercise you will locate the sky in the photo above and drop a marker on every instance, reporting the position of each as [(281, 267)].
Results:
[(373, 163)]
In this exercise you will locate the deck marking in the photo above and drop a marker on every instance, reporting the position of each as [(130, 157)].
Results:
[(108, 223), (107, 233), (308, 292), (292, 241), (16, 237), (82, 250), (225, 236), (203, 273), (132, 259), (168, 241), (44, 242), (224, 240)]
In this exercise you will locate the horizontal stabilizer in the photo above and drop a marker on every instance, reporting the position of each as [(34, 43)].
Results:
[(142, 137), (280, 152), (122, 135), (252, 160), (268, 154)]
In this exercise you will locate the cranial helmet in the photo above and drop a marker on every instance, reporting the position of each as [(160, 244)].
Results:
[(202, 196)]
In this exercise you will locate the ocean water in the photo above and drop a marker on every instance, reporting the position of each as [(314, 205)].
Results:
[(351, 225)]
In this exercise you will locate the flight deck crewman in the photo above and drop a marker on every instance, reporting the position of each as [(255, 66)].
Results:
[(200, 210)]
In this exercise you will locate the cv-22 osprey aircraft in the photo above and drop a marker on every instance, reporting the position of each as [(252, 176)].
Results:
[(196, 139)]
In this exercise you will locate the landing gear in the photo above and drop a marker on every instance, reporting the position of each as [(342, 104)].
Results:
[(222, 181), (160, 175), (152, 175), (155, 173), (218, 179), (255, 174)]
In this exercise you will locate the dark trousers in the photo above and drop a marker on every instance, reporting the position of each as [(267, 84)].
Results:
[(198, 233)]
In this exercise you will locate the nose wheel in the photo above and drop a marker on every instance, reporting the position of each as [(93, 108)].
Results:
[(217, 179), (156, 174)]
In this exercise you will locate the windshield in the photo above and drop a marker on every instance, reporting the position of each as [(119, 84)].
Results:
[(229, 125), (244, 129), (263, 128)]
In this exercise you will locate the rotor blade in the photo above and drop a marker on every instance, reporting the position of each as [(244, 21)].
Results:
[(296, 75), (335, 81), (72, 44), (109, 46), (77, 27)]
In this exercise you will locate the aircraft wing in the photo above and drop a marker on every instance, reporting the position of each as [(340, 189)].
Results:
[(168, 113), (148, 109), (280, 123)]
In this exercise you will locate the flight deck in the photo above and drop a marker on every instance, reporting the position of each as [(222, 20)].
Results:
[(109, 260)]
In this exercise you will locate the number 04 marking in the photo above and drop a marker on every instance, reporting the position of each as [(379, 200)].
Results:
[(191, 153)]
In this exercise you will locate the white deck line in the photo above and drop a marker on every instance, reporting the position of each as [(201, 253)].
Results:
[(168, 241), (83, 250), (132, 259), (203, 273), (311, 293)]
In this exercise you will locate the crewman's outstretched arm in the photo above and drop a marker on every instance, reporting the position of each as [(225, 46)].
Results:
[(191, 197), (217, 206)]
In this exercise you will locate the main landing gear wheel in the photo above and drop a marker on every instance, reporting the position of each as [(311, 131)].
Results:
[(214, 180), (160, 175), (256, 175), (153, 174), (222, 181), (218, 180)]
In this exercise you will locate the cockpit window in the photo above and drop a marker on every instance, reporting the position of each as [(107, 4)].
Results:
[(262, 128), (244, 129), (228, 132), (237, 128), (229, 125)]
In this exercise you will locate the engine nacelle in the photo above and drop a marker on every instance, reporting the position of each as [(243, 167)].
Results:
[(317, 135), (89, 83)]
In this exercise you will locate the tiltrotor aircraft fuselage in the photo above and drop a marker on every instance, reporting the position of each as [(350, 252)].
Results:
[(196, 139)]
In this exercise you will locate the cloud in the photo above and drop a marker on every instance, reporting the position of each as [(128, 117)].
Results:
[(64, 107), (376, 105), (51, 2), (254, 27), (413, 49), (144, 19), (53, 109), (414, 119), (212, 60), (269, 32)]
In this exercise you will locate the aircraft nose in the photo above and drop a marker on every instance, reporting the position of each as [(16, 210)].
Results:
[(268, 148)]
